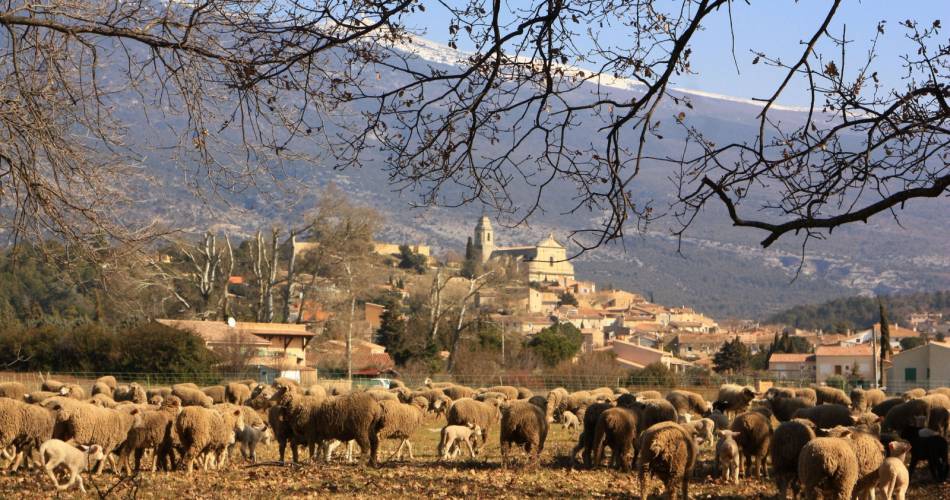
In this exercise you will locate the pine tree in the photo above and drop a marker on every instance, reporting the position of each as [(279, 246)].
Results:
[(733, 357), (469, 249), (392, 327)]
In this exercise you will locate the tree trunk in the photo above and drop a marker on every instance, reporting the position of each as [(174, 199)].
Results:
[(291, 275), (225, 298), (349, 326)]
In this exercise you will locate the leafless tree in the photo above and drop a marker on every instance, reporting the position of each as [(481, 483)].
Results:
[(475, 284), (207, 276), (265, 266)]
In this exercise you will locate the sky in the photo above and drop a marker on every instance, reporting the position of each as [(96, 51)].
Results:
[(775, 27)]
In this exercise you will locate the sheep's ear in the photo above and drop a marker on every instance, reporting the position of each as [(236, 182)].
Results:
[(237, 413), (135, 411), (82, 447), (855, 418)]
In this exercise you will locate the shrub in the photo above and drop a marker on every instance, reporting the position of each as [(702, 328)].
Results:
[(557, 343)]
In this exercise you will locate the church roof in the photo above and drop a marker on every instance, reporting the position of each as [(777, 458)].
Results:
[(549, 242)]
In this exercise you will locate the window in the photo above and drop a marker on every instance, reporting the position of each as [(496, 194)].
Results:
[(837, 369), (488, 236), (552, 261), (910, 374)]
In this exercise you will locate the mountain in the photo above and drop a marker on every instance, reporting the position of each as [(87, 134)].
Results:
[(718, 269)]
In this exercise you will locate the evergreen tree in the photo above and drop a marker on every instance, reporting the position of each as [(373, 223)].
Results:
[(557, 343), (568, 299), (885, 342), (392, 328), (469, 249), (733, 357)]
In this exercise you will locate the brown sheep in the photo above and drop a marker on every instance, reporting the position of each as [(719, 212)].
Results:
[(88, 424), (914, 393), (826, 416), (215, 392), (787, 442), (833, 395), (191, 397), (24, 426), (467, 411), (654, 411), (12, 390), (906, 414), (869, 453), (510, 392), (524, 424), (236, 393), (154, 434), (733, 398), (585, 442), (203, 431), (863, 400), (688, 402), (649, 395), (668, 451), (400, 421), (828, 465), (616, 428), (525, 393), (808, 394), (754, 436), (458, 392)]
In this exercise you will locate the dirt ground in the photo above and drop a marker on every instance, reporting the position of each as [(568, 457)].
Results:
[(423, 477)]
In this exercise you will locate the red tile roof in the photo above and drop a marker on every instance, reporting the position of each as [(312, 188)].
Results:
[(840, 350), (783, 357)]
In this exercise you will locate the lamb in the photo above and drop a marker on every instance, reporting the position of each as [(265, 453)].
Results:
[(12, 390), (688, 402), (191, 397), (787, 442), (154, 434), (400, 421), (208, 432), (249, 438), (215, 392), (236, 393), (863, 400), (617, 428), (701, 429), (668, 451), (826, 416), (753, 435), (733, 398), (831, 395), (452, 435), (727, 456), (56, 453), (570, 423), (869, 454), (88, 424), (892, 477), (523, 423), (828, 465), (468, 411)]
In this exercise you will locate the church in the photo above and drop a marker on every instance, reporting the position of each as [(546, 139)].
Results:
[(546, 260)]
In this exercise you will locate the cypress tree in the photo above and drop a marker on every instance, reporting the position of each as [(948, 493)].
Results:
[(885, 342)]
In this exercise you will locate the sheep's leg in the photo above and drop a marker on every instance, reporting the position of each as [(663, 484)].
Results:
[(471, 451), (505, 446), (17, 459), (82, 487), (49, 471), (641, 476), (686, 487), (409, 445)]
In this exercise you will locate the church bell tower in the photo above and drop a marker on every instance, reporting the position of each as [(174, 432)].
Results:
[(484, 239)]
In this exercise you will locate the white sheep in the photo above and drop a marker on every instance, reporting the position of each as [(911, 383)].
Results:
[(893, 477), (727, 455), (55, 453), (453, 435), (570, 422)]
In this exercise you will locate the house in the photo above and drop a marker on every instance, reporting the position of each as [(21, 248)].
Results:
[(636, 356), (788, 366), (369, 359), (849, 362), (923, 366)]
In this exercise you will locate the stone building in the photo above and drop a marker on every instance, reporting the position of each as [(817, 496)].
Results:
[(545, 261)]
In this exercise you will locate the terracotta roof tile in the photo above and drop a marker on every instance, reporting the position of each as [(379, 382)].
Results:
[(840, 350)]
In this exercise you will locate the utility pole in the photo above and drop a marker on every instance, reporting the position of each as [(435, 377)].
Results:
[(874, 381)]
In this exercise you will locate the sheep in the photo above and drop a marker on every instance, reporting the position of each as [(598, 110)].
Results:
[(12, 390), (654, 411), (381, 395), (784, 408), (779, 392), (468, 411), (88, 424), (281, 429), (524, 393), (570, 423), (215, 392), (249, 438), (733, 398), (203, 431), (452, 435), (701, 429), (108, 380), (867, 422), (927, 445), (436, 385), (236, 393), (914, 393), (585, 442), (720, 419), (893, 477), (940, 390), (906, 415), (23, 426), (55, 453), (524, 424), (617, 428), (649, 395), (828, 465), (400, 421), (154, 434), (881, 409), (49, 384), (458, 392), (728, 459), (191, 397), (102, 400), (787, 442), (37, 397), (162, 392), (939, 420), (869, 454), (297, 419), (555, 398), (688, 402), (510, 392), (260, 398), (74, 391), (136, 393), (753, 435), (668, 451), (826, 416), (316, 390), (102, 388), (831, 395), (863, 400)]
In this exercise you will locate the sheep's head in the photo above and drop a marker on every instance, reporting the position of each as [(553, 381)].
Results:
[(238, 419), (173, 403), (727, 434), (919, 420), (65, 390), (897, 448), (93, 453)]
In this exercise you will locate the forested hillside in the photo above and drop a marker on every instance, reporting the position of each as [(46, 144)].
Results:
[(861, 312)]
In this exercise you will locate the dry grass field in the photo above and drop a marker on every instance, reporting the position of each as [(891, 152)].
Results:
[(423, 477)]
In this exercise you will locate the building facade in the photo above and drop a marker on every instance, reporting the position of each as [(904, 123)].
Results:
[(544, 262), (925, 366)]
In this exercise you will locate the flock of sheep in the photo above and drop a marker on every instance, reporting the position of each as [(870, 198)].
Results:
[(819, 440)]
